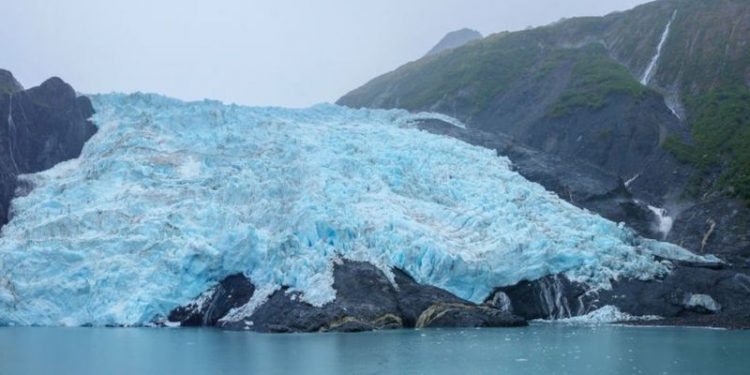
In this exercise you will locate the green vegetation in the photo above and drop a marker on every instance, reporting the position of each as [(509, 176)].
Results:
[(6, 88), (8, 84), (483, 69), (720, 126), (594, 77), (706, 57)]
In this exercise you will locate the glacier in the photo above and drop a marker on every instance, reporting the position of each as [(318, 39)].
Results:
[(170, 197)]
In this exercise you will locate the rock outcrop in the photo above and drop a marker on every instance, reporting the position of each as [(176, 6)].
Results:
[(366, 299), (231, 293), (692, 294), (39, 128)]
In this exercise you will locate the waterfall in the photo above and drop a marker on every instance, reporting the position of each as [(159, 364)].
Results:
[(663, 221), (649, 73), (553, 298), (631, 180), (11, 132), (502, 302)]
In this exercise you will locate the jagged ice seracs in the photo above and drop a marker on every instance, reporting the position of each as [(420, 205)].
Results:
[(170, 197)]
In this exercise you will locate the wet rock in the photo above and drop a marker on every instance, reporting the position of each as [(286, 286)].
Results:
[(285, 312), (685, 292), (350, 324), (551, 297), (365, 300), (682, 297), (415, 298), (442, 315), (716, 225), (232, 292)]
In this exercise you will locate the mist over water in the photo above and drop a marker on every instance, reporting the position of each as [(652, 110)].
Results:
[(292, 53)]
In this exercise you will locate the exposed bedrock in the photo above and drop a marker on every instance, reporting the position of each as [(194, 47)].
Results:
[(39, 127), (365, 300), (691, 294), (232, 292)]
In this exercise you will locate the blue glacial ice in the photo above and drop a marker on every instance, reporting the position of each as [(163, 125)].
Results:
[(170, 197)]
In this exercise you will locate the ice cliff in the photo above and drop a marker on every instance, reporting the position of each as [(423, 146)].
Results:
[(170, 197)]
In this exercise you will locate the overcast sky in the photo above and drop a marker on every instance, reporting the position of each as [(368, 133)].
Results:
[(275, 52)]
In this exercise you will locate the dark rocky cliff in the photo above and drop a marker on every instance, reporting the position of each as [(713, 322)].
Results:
[(39, 128)]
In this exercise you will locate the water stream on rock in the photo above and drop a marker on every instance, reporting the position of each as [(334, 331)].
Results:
[(649, 73), (11, 133)]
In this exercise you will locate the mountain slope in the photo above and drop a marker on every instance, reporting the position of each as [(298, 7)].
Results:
[(574, 90), (455, 39)]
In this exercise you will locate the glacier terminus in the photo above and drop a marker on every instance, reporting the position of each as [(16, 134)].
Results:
[(170, 197)]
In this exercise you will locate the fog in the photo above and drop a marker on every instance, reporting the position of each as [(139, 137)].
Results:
[(283, 53)]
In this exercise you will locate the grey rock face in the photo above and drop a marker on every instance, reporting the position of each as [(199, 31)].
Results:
[(551, 297), (455, 39), (717, 225), (39, 128), (689, 295), (232, 292), (365, 300), (446, 315)]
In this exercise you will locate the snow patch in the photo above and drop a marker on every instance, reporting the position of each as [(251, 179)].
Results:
[(703, 301), (421, 116), (260, 296), (606, 314)]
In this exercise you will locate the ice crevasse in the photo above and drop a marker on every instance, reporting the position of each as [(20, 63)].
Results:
[(170, 197)]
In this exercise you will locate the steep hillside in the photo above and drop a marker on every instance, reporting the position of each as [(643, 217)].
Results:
[(658, 96)]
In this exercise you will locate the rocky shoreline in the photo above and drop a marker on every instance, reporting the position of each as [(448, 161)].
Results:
[(366, 300)]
